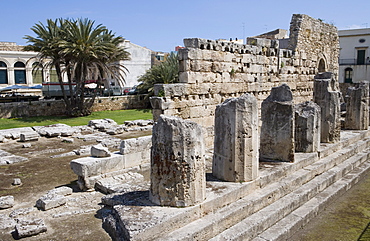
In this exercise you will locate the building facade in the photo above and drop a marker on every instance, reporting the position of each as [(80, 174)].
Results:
[(354, 60), (16, 66)]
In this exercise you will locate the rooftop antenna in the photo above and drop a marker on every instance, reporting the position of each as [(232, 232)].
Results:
[(243, 32)]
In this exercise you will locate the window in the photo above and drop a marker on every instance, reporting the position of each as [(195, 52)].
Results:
[(3, 73), (20, 73), (322, 66), (53, 75), (361, 56), (37, 73), (348, 75)]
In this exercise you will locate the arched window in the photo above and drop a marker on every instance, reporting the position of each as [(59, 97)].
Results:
[(20, 73), (3, 73), (322, 68), (348, 75), (37, 73)]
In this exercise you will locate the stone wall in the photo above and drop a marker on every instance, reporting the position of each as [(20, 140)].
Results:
[(56, 107), (213, 71)]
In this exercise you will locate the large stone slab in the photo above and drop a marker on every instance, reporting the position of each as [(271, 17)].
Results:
[(30, 227), (50, 201), (87, 167), (328, 98), (357, 106), (277, 130), (177, 163), (307, 127), (236, 140), (6, 202)]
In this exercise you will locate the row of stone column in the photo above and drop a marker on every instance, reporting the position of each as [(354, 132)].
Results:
[(178, 152)]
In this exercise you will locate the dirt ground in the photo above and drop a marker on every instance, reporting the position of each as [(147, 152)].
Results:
[(42, 173)]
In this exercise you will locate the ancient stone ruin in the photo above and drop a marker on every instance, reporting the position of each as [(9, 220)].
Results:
[(213, 71), (327, 97), (277, 130), (236, 142), (177, 163), (247, 111), (357, 106), (307, 127)]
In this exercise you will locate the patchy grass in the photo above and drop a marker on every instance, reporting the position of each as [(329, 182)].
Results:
[(120, 116), (344, 219)]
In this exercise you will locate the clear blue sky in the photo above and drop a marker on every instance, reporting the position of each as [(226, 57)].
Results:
[(163, 24)]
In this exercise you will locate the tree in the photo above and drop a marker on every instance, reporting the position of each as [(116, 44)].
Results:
[(80, 51), (166, 72)]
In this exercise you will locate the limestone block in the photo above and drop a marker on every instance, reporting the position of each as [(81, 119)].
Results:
[(50, 201), (29, 136), (91, 166), (307, 127), (277, 130), (177, 163), (30, 227), (357, 105), (102, 124), (235, 155), (136, 151), (55, 130), (134, 145), (99, 151), (6, 222), (328, 98), (6, 202), (63, 191)]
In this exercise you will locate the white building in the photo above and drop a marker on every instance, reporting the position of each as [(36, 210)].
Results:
[(139, 63), (354, 60), (16, 66)]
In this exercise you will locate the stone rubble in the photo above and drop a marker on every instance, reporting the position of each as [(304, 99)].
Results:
[(17, 182), (29, 227), (50, 201), (29, 136), (100, 151), (6, 202)]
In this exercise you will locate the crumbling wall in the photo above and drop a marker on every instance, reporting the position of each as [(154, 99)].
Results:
[(213, 71)]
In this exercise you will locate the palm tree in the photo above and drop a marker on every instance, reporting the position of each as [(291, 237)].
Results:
[(166, 72), (81, 51)]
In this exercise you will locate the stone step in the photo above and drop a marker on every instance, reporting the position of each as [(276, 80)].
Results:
[(290, 224), (227, 203), (210, 225), (255, 224)]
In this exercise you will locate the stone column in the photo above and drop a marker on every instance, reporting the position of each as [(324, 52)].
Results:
[(357, 115), (235, 157), (307, 127), (177, 163), (328, 98), (277, 130)]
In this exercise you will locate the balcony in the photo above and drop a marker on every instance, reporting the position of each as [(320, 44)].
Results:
[(354, 61)]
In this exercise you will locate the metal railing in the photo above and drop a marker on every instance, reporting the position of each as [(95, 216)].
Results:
[(354, 62)]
